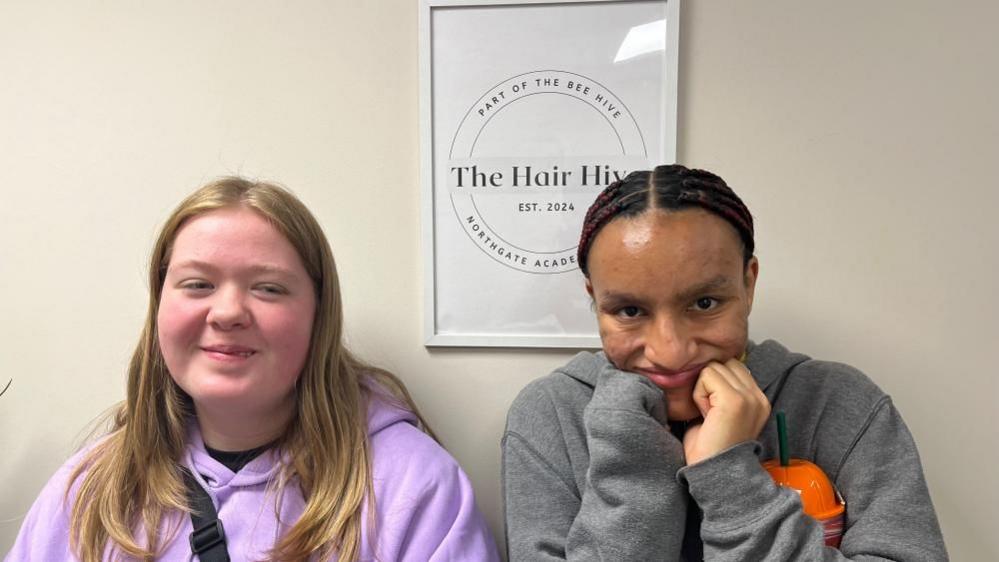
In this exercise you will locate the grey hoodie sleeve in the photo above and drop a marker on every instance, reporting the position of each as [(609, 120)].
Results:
[(631, 506), (889, 513)]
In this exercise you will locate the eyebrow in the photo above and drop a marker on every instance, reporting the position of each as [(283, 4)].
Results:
[(254, 269), (721, 282), (611, 299)]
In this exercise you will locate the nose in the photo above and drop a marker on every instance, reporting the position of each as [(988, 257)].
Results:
[(668, 343), (229, 310)]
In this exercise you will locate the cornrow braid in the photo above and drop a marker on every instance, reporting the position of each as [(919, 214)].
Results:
[(603, 209), (672, 187)]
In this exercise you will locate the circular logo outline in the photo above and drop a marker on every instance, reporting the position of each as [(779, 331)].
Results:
[(479, 227)]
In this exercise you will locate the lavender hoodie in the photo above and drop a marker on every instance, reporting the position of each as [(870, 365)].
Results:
[(425, 508)]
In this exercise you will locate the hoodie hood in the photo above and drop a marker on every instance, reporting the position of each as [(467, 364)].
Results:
[(769, 362), (385, 411), (217, 475)]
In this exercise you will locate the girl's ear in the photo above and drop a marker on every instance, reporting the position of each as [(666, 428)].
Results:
[(752, 273), (589, 287)]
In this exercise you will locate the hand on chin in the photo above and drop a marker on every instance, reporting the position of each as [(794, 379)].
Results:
[(734, 409)]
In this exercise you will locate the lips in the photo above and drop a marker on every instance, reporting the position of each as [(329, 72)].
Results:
[(668, 380), (226, 351)]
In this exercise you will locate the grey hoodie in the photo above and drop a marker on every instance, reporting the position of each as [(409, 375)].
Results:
[(592, 472)]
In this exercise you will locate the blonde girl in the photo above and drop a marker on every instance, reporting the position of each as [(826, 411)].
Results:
[(241, 386)]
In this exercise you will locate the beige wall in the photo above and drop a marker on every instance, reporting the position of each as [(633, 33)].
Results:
[(862, 134)]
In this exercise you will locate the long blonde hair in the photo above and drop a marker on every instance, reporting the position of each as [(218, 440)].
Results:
[(131, 480)]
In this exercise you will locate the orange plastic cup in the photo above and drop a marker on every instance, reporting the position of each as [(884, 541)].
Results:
[(819, 497)]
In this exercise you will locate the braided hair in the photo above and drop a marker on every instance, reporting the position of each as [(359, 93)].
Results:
[(672, 187)]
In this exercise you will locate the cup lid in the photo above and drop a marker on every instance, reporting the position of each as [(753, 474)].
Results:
[(819, 497)]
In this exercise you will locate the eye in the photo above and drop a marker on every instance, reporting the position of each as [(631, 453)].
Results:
[(705, 304), (629, 311), (271, 289), (198, 285)]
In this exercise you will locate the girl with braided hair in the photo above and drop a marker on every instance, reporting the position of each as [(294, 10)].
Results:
[(249, 431), (650, 449)]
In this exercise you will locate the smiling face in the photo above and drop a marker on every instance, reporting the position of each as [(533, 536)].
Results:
[(672, 293), (235, 315)]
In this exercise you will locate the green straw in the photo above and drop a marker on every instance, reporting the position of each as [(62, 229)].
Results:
[(785, 455)]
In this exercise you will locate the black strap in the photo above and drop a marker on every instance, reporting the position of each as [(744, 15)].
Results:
[(208, 537)]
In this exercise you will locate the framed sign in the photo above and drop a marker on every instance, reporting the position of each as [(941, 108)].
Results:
[(527, 111)]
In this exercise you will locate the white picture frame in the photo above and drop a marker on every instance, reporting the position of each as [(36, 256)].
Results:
[(527, 110)]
